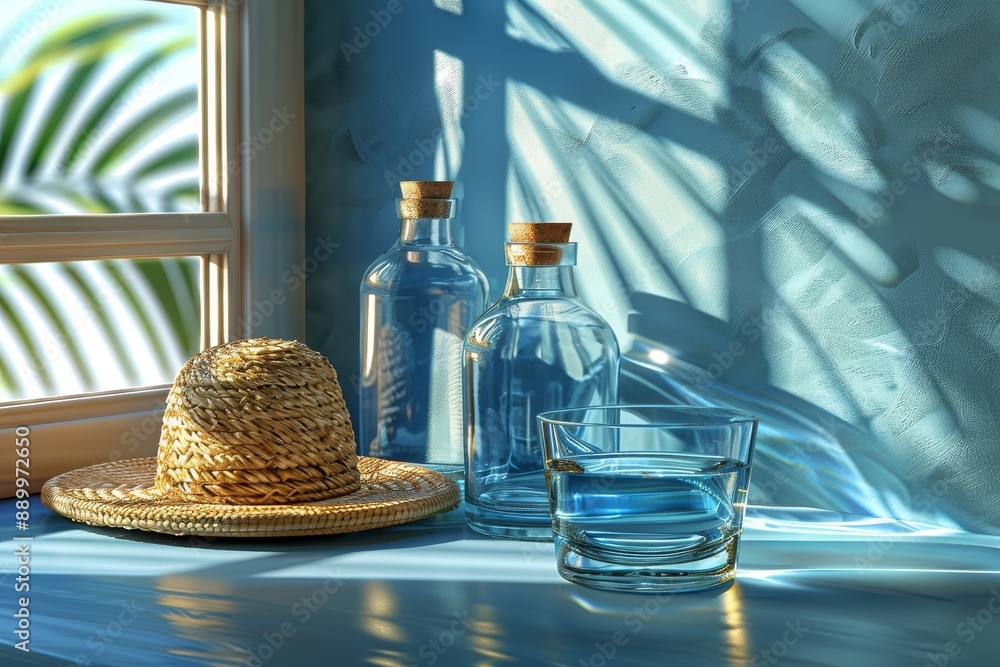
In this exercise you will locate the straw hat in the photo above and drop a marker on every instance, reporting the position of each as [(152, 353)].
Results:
[(256, 442)]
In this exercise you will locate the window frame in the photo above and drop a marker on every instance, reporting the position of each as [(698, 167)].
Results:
[(251, 233)]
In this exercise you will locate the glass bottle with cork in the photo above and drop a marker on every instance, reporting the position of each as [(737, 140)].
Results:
[(418, 300), (538, 348)]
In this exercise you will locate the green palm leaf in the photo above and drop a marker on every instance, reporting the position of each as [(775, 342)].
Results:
[(13, 113), (30, 351), (60, 324), (123, 83), (128, 291), (93, 304), (84, 133), (84, 40), (144, 127), (176, 156), (54, 120)]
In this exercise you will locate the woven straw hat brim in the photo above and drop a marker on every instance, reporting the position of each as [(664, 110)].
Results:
[(121, 495)]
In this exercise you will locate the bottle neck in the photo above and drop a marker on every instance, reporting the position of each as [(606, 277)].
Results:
[(425, 231), (540, 282)]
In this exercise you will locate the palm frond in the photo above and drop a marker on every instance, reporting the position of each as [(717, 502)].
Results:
[(141, 128), (113, 94), (84, 40), (86, 149)]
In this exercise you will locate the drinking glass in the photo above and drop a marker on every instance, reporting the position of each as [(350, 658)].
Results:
[(647, 497)]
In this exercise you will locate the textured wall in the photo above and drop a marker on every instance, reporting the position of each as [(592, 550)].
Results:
[(821, 178)]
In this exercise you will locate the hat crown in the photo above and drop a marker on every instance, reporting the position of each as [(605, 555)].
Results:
[(256, 421)]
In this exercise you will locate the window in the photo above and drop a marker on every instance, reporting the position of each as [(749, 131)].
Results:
[(99, 108), (151, 189)]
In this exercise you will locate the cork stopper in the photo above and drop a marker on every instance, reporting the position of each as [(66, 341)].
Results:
[(426, 189), (539, 232), (528, 239), (425, 199)]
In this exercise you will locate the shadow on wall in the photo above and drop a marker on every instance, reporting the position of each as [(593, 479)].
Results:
[(816, 183)]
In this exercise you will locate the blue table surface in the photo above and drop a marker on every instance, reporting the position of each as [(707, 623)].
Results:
[(814, 588)]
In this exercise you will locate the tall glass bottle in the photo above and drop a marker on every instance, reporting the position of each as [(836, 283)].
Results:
[(418, 300), (538, 348)]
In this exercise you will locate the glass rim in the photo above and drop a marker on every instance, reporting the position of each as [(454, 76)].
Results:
[(562, 416)]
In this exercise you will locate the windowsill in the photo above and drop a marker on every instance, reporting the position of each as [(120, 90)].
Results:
[(836, 591)]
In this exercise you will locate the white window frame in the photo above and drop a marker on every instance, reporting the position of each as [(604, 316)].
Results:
[(252, 69)]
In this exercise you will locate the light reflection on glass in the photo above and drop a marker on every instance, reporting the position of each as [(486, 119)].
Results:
[(370, 330), (659, 356)]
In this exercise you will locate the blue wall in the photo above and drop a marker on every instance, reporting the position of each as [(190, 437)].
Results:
[(801, 195)]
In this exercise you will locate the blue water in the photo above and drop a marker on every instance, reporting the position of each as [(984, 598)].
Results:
[(634, 507), (523, 358)]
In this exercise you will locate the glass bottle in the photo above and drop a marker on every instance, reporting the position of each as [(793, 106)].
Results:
[(538, 348), (418, 300)]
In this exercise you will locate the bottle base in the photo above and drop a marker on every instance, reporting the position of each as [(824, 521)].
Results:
[(453, 471), (508, 525)]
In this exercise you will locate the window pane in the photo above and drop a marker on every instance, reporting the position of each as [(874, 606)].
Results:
[(75, 327), (98, 107)]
